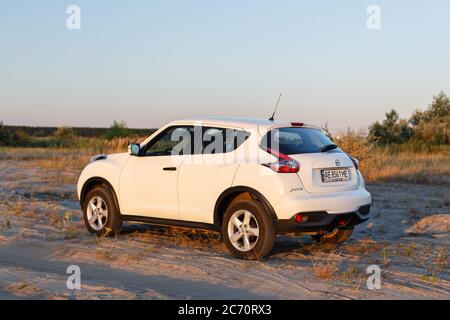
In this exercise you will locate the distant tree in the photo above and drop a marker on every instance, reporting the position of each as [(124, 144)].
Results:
[(20, 138), (4, 135), (13, 138), (391, 130), (432, 126), (64, 137), (416, 118), (118, 129), (64, 133), (438, 109)]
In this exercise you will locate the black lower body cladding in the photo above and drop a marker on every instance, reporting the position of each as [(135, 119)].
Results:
[(323, 221)]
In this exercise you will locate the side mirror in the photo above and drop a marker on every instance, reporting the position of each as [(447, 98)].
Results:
[(134, 149)]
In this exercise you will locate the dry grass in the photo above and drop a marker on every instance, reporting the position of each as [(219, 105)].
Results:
[(353, 276), (408, 167), (200, 239), (394, 164), (437, 265), (44, 158), (5, 222), (385, 255), (104, 255), (64, 158), (363, 247), (397, 163), (23, 288), (325, 264)]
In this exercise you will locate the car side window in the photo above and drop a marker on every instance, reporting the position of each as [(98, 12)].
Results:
[(173, 141), (222, 140)]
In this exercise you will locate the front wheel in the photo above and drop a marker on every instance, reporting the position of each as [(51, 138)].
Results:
[(336, 236), (101, 214), (248, 231)]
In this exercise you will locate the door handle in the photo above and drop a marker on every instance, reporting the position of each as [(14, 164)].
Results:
[(170, 169)]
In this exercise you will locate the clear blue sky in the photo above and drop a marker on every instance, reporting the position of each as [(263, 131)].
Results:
[(148, 62)]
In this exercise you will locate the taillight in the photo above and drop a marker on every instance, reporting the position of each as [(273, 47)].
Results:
[(285, 164), (355, 162), (297, 124), (341, 223)]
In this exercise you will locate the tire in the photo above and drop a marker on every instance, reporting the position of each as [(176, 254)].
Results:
[(336, 236), (102, 199), (256, 247)]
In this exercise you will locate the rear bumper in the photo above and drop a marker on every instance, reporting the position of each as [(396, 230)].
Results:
[(331, 203), (318, 221)]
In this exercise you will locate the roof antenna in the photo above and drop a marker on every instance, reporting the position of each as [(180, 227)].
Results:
[(276, 107)]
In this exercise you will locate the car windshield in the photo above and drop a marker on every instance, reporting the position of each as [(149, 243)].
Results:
[(296, 140)]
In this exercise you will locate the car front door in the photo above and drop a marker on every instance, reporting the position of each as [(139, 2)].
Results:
[(148, 183)]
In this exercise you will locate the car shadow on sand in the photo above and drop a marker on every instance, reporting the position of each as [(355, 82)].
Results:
[(284, 245)]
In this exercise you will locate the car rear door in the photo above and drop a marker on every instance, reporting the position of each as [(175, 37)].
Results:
[(208, 172)]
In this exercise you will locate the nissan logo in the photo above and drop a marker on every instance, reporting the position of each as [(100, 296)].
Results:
[(337, 162)]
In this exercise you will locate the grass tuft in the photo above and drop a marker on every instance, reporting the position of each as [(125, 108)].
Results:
[(325, 264)]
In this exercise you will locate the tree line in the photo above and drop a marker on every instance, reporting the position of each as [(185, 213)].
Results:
[(64, 136), (430, 126)]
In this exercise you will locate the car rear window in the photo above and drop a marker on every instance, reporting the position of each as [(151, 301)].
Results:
[(295, 140)]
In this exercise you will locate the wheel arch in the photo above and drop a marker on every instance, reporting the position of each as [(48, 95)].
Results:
[(233, 193), (92, 183)]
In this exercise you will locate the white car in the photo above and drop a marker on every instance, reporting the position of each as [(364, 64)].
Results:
[(249, 179)]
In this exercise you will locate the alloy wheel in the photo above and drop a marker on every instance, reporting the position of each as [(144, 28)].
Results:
[(243, 230), (97, 213)]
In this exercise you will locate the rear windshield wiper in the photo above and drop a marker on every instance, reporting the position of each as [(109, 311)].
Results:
[(328, 147)]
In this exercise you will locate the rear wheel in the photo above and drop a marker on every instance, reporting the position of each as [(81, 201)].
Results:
[(101, 215), (336, 236), (248, 231)]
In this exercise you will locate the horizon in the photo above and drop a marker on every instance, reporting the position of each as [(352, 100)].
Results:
[(338, 131), (132, 62)]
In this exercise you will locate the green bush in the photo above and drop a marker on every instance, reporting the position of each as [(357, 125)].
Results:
[(20, 138), (15, 138), (64, 133), (4, 135), (428, 127), (118, 129), (64, 137), (433, 125), (391, 130), (439, 109)]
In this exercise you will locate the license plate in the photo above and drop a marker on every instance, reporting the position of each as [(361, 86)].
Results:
[(334, 175)]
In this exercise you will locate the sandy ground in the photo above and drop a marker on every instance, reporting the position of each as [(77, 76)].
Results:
[(42, 233)]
